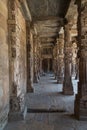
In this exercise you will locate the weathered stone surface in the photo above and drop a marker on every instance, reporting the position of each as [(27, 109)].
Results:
[(48, 8), (67, 84), (60, 73), (37, 58), (48, 96), (17, 56), (29, 59), (49, 121), (4, 65), (81, 97)]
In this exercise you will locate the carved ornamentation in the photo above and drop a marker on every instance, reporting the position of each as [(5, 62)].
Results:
[(81, 98)]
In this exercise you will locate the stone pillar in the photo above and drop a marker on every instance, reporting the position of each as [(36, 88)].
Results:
[(38, 58), (55, 60), (74, 58), (77, 68), (60, 59), (40, 61), (35, 60), (17, 61), (67, 84), (81, 97), (29, 60), (48, 69)]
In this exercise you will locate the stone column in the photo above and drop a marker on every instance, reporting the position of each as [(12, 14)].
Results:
[(35, 60), (17, 62), (60, 59), (67, 84), (40, 61), (29, 60), (48, 69), (81, 97), (74, 58), (41, 71), (38, 58), (55, 60), (77, 68)]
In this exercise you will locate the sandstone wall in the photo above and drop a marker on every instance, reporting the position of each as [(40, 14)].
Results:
[(4, 64)]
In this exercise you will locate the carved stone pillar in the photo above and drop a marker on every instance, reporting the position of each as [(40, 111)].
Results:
[(29, 60), (60, 59), (55, 60), (35, 60), (81, 97), (48, 69), (67, 84), (38, 58), (77, 68), (17, 62), (74, 58), (41, 71)]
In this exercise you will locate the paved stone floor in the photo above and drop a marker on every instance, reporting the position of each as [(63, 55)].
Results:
[(59, 115)]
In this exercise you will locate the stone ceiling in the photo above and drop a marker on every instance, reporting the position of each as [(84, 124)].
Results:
[(48, 17), (45, 8)]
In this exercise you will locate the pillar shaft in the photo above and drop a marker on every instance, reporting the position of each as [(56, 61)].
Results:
[(60, 59), (67, 85), (17, 63), (29, 60), (81, 97), (55, 60), (36, 59)]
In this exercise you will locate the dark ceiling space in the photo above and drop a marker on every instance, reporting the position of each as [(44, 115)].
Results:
[(46, 8), (48, 18)]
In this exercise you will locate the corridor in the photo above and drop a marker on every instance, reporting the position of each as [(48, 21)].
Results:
[(49, 109), (48, 96), (43, 50)]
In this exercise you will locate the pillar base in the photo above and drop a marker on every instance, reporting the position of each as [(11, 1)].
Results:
[(38, 76), (60, 80), (67, 92), (36, 80), (80, 108), (30, 90), (68, 89), (17, 116)]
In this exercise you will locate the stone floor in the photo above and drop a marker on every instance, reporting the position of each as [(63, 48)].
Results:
[(54, 110)]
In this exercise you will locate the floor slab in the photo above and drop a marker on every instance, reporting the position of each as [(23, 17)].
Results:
[(48, 95)]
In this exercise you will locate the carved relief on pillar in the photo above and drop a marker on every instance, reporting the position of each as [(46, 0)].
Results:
[(81, 97), (12, 46), (29, 59), (60, 59), (35, 44), (55, 60), (74, 59), (17, 62), (37, 59), (67, 84)]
